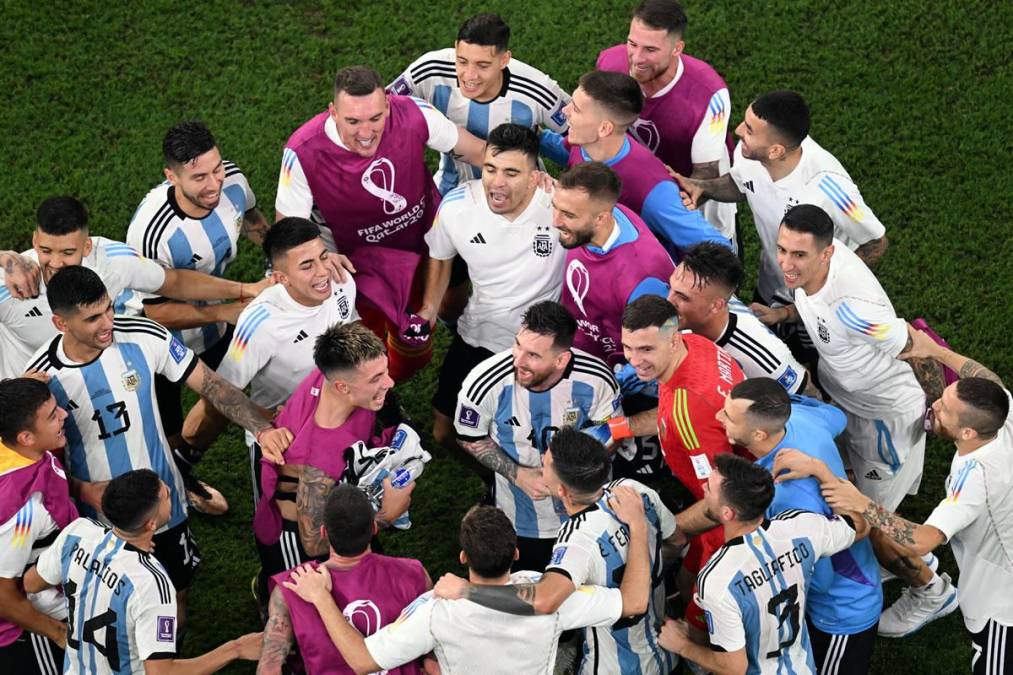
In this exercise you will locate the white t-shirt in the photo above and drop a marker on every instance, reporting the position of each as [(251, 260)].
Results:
[(294, 195), (818, 179), (858, 335), (469, 638), (124, 605), (512, 264), (28, 324), (977, 519), (161, 231), (758, 351)]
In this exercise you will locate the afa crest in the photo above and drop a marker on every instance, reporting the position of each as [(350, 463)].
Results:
[(542, 243), (822, 330)]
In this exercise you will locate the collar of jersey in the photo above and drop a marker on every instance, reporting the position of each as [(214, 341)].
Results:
[(174, 205), (734, 541), (59, 363), (626, 234), (619, 156)]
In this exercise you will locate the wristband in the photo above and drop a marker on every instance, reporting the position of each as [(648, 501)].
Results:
[(619, 427)]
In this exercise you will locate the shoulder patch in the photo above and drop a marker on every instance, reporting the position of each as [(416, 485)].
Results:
[(177, 350)]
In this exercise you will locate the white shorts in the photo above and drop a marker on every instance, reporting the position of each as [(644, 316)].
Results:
[(886, 455)]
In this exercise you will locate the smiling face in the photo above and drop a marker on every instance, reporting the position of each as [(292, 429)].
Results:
[(479, 69), (508, 179), (696, 301), (198, 183), (759, 140), (802, 262), (305, 272), (360, 120), (652, 53), (734, 417), (576, 215), (368, 384), (58, 251), (47, 428), (946, 413), (90, 326), (586, 119), (650, 350), (535, 359)]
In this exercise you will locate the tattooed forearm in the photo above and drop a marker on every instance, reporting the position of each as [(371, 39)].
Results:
[(722, 189), (310, 498), (706, 171), (278, 636), (492, 457), (893, 526), (512, 599), (906, 568), (930, 376), (972, 368), (231, 402), (871, 251)]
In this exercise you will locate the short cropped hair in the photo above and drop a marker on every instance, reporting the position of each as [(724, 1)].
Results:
[(357, 81), (488, 540), (580, 461), (769, 404), (553, 320), (131, 499), (810, 219), (787, 112), (348, 520), (747, 488), (514, 137), (714, 265), (286, 234), (486, 30), (987, 405), (666, 15), (344, 347), (650, 310), (58, 216), (597, 179), (186, 142), (618, 93), (73, 287), (20, 401)]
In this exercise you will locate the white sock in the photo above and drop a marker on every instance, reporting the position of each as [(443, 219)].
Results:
[(934, 588)]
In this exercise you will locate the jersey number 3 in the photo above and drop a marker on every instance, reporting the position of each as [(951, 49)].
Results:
[(784, 607)]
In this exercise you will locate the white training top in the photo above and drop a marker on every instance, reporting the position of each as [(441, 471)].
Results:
[(512, 264)]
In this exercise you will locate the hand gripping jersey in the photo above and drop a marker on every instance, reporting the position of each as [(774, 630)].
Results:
[(690, 435), (758, 351), (371, 595), (113, 424), (161, 231), (528, 97), (512, 264), (592, 548), (754, 589), (25, 325), (600, 283), (121, 603)]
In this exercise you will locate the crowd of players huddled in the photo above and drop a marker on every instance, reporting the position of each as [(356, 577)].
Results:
[(677, 479)]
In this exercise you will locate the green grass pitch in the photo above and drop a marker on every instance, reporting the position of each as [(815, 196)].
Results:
[(907, 94)]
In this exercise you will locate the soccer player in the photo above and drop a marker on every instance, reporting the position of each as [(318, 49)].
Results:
[(60, 239), (35, 505), (359, 169), (370, 590), (344, 401), (121, 604), (756, 586), (501, 227), (101, 371), (702, 290), (778, 165), (686, 103), (975, 518), (603, 107), (467, 637), (270, 350), (510, 406), (694, 375)]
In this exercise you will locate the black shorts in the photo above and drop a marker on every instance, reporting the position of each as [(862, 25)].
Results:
[(282, 555), (991, 646), (648, 460), (533, 554), (842, 654), (32, 654), (169, 394), (177, 550), (461, 359)]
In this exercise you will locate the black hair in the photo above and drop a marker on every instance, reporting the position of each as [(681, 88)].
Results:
[(618, 93), (810, 219), (552, 319), (747, 488), (72, 287), (343, 347), (186, 142), (58, 216), (666, 15), (597, 179), (714, 264), (20, 401), (348, 520), (131, 498), (787, 112), (580, 461), (286, 234), (487, 30), (488, 540), (649, 310), (357, 81), (987, 405), (769, 403), (514, 137)]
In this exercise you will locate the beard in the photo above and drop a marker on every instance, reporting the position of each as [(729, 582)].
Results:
[(578, 239)]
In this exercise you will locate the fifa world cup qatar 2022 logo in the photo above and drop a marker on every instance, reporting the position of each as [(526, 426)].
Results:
[(647, 133), (365, 616), (578, 282), (378, 180)]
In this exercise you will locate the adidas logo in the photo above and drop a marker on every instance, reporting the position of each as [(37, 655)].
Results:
[(749, 185), (300, 337), (70, 406), (513, 422), (873, 475), (194, 259), (478, 239), (34, 311)]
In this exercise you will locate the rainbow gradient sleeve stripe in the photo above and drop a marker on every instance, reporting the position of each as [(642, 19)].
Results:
[(953, 493), (841, 199), (716, 110), (245, 330), (856, 323), (23, 525), (288, 158)]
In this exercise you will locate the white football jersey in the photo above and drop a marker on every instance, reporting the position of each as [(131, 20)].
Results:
[(469, 638), (758, 351), (161, 231), (818, 179), (976, 517), (592, 548), (522, 422), (858, 335), (122, 605), (528, 97), (113, 424), (753, 590), (512, 264), (28, 324)]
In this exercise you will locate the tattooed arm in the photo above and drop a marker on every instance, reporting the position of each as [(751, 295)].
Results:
[(928, 372), (310, 499), (871, 251), (21, 275), (278, 636), (921, 346), (254, 226), (227, 399), (545, 597), (493, 457)]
